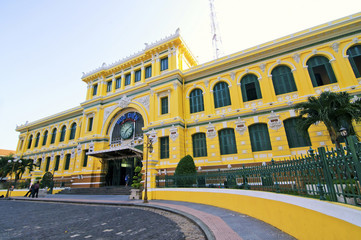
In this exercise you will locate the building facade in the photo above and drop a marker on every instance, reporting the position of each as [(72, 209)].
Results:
[(225, 113)]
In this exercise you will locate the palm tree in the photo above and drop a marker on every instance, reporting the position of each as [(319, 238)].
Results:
[(334, 109), (19, 167)]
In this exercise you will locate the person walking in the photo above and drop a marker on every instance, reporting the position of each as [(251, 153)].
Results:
[(30, 190)]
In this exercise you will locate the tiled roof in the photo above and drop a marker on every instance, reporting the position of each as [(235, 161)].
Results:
[(4, 152)]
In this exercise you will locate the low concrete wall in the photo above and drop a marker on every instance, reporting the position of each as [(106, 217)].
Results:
[(22, 192), (303, 218)]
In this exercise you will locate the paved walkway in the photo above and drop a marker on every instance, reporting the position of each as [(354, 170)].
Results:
[(217, 223)]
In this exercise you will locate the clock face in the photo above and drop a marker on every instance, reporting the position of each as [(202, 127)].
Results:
[(126, 130)]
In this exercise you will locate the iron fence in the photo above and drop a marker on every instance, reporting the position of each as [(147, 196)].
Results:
[(325, 174)]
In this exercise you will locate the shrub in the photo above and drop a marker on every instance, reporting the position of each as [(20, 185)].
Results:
[(137, 178), (185, 172)]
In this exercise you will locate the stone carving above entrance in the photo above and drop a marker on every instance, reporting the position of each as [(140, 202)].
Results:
[(144, 101), (124, 102)]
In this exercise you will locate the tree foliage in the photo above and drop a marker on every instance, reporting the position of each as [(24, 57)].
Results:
[(18, 167), (333, 109)]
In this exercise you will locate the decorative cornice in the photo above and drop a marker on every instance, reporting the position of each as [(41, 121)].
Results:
[(134, 55)]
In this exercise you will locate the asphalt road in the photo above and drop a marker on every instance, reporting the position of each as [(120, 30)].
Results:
[(35, 220)]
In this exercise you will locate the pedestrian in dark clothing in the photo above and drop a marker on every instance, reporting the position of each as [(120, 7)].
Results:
[(30, 191), (36, 190)]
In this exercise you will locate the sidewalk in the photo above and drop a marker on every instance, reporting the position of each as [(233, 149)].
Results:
[(217, 223)]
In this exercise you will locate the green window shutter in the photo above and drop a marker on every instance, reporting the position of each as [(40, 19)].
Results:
[(250, 88), (148, 72), (323, 63), (37, 140), (164, 64), (259, 136), (118, 82), (47, 164), (196, 101), (221, 95), (164, 147), (45, 138), (127, 80), (354, 56), (30, 140), (95, 89), (294, 138), (53, 136), (164, 105), (67, 162), (90, 124), (227, 141), (72, 131), (199, 145), (137, 76), (109, 86), (85, 160), (57, 161), (62, 134), (283, 81)]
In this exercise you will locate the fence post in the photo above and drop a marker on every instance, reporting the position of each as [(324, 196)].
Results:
[(275, 176), (351, 145), (327, 174)]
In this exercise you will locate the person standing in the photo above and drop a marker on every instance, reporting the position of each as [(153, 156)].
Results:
[(36, 190), (127, 180)]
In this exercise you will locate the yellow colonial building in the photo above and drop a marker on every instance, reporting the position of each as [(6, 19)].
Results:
[(228, 112)]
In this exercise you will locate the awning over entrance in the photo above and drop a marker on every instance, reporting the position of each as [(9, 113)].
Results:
[(118, 152)]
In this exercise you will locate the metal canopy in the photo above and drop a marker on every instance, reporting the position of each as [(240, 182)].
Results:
[(117, 153)]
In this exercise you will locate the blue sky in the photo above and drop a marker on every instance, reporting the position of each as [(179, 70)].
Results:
[(46, 45)]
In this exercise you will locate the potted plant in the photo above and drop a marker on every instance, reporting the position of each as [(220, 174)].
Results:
[(136, 191)]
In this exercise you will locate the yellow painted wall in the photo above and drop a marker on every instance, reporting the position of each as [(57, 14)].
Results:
[(300, 222)]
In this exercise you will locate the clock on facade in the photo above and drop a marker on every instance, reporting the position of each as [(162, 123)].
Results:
[(126, 130)]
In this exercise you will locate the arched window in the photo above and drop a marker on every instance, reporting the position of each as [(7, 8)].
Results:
[(62, 134), (294, 138), (199, 145), (53, 136), (57, 161), (47, 164), (30, 141), (250, 88), (67, 162), (72, 131), (221, 95), (37, 140), (320, 70), (39, 163), (354, 56), (45, 137), (227, 141), (283, 81), (196, 101), (260, 140)]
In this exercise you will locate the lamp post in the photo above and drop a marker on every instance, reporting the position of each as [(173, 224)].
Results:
[(149, 147), (14, 161)]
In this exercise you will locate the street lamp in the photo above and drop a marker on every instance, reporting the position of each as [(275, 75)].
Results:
[(149, 147), (14, 161)]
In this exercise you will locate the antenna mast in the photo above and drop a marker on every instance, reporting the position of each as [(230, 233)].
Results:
[(216, 36)]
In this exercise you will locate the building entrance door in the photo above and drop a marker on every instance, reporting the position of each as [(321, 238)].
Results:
[(118, 169)]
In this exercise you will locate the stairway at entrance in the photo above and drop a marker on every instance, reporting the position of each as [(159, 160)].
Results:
[(98, 191)]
